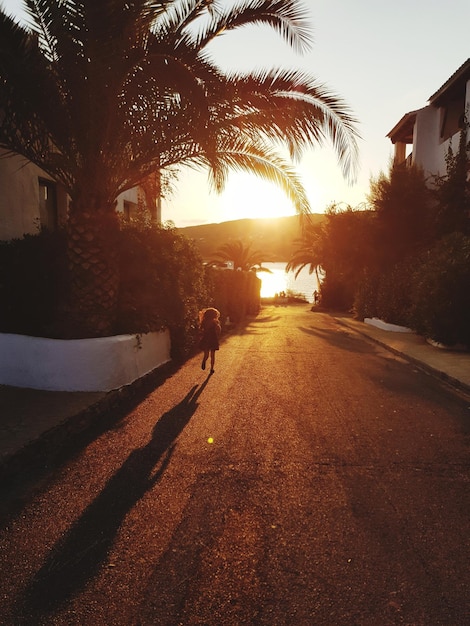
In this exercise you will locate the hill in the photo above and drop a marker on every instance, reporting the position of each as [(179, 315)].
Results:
[(273, 236)]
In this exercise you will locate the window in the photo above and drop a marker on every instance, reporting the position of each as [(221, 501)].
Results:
[(453, 113), (130, 210), (48, 204)]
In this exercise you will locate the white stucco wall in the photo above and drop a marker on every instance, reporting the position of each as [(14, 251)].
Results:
[(426, 142), (131, 195), (429, 152), (99, 364), (393, 328), (19, 198)]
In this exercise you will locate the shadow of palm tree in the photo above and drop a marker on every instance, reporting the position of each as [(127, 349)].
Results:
[(77, 557)]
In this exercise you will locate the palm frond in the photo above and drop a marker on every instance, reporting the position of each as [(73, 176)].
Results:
[(241, 154), (241, 255), (99, 94), (286, 17), (293, 107)]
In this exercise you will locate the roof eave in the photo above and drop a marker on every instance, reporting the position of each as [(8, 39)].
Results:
[(461, 74)]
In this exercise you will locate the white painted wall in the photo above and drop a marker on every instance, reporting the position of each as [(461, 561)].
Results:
[(393, 328), (19, 197), (429, 152), (426, 148), (100, 364), (131, 195)]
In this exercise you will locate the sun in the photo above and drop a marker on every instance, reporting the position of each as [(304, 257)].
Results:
[(273, 283), (248, 196)]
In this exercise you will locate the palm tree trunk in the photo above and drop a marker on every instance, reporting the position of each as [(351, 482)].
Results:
[(92, 257)]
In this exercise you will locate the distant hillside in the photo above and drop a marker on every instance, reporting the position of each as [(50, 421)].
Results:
[(274, 236)]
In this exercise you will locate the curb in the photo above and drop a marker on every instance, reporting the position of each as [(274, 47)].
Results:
[(428, 369), (53, 446)]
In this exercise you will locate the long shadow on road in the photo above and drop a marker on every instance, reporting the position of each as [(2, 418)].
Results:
[(340, 339), (77, 557), (255, 325)]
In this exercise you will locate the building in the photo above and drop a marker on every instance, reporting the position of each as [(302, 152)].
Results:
[(30, 199), (422, 137)]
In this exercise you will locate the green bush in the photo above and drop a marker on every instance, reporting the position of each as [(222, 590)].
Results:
[(393, 294), (234, 293), (337, 292), (365, 297), (32, 283), (440, 290), (162, 285)]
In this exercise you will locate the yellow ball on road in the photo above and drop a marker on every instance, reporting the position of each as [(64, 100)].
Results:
[(210, 440)]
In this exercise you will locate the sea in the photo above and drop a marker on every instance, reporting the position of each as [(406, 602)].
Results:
[(280, 280)]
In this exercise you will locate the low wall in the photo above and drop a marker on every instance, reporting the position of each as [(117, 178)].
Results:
[(100, 364), (378, 323)]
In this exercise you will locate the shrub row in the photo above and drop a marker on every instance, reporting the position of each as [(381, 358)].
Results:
[(234, 293), (163, 282), (32, 282), (429, 293)]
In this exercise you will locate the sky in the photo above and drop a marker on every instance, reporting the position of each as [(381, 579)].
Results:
[(384, 58)]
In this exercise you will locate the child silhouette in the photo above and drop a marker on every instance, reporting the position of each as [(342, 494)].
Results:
[(209, 326)]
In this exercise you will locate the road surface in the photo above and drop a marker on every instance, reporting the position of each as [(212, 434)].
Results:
[(314, 479)]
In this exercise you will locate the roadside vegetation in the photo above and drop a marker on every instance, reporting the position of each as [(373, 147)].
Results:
[(240, 257), (102, 95), (404, 259), (101, 112), (164, 283)]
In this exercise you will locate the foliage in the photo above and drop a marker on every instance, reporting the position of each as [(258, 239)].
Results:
[(307, 251), (162, 284), (453, 190), (235, 293), (418, 277), (393, 262), (365, 296), (403, 226), (241, 256), (440, 290), (344, 251), (32, 281), (102, 94), (336, 293), (394, 294), (386, 294), (402, 205)]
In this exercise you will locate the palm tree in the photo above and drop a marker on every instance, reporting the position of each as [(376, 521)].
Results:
[(241, 257), (308, 251), (102, 94)]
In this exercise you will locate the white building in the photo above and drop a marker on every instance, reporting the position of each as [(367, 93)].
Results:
[(30, 199), (422, 137)]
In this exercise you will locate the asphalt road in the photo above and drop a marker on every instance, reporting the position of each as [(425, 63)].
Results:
[(314, 479)]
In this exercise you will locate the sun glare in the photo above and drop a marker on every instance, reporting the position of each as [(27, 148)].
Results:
[(274, 283), (247, 196)]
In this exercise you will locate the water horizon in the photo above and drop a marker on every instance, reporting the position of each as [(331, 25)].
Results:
[(280, 280)]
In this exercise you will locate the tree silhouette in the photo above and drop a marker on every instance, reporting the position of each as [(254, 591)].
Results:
[(241, 256), (102, 94)]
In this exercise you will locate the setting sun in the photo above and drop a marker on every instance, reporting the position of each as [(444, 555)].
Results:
[(247, 195), (274, 283)]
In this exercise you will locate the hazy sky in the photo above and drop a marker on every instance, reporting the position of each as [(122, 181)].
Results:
[(383, 58)]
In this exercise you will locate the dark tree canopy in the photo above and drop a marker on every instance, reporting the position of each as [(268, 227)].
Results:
[(102, 94)]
